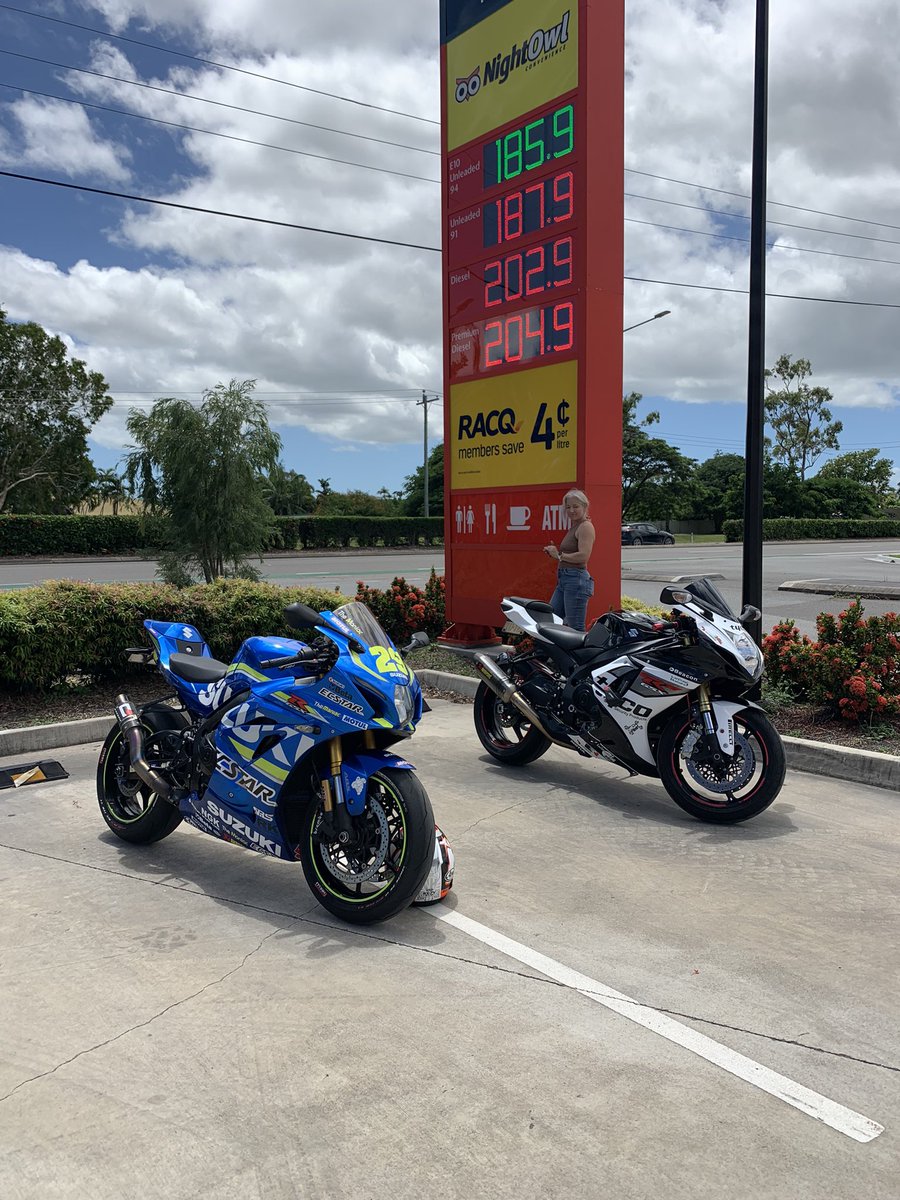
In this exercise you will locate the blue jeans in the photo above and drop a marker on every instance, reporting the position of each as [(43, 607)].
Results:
[(574, 587)]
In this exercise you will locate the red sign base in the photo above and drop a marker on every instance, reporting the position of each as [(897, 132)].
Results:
[(461, 635)]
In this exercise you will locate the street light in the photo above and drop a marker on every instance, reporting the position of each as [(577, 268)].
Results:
[(665, 312)]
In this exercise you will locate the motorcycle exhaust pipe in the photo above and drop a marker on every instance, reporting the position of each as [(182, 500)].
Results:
[(501, 684), (133, 733)]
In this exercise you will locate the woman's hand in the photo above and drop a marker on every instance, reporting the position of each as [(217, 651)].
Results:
[(552, 551)]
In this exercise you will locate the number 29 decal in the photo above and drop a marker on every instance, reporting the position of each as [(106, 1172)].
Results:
[(389, 662)]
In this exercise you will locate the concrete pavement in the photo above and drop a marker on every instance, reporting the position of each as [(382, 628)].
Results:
[(187, 1022)]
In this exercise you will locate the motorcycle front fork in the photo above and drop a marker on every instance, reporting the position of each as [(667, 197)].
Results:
[(337, 818), (709, 739)]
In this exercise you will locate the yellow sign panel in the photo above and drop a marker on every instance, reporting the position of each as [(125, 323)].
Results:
[(508, 64), (515, 429)]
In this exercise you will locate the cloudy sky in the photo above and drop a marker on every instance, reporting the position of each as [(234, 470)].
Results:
[(342, 335)]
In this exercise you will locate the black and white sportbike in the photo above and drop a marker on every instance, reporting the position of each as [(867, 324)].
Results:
[(663, 698)]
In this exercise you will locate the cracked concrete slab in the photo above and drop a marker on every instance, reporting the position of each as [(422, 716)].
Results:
[(187, 1021)]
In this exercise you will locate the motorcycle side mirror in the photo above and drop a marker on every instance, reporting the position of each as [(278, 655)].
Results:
[(417, 641), (749, 614), (671, 595), (301, 616)]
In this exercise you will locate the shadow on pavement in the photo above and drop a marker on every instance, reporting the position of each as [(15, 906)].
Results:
[(638, 798)]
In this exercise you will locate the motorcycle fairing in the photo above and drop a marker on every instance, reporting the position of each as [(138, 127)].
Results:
[(355, 772), (257, 829)]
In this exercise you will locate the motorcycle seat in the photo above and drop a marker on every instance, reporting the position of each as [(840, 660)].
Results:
[(563, 636), (536, 608), (195, 669)]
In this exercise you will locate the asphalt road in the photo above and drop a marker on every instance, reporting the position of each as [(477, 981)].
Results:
[(782, 561), (618, 1001)]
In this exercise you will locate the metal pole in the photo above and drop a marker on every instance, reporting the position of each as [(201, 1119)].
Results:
[(756, 365), (425, 414)]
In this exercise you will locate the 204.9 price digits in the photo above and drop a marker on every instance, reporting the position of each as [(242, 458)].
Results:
[(528, 334)]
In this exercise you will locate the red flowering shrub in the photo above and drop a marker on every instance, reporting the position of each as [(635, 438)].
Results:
[(403, 609), (854, 667)]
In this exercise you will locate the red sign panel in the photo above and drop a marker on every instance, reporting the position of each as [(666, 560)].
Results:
[(532, 207)]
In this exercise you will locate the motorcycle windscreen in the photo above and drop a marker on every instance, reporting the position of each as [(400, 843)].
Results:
[(710, 596), (360, 619)]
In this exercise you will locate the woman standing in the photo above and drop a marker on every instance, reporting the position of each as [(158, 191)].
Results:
[(574, 585)]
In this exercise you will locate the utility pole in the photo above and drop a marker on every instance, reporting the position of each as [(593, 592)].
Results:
[(425, 401)]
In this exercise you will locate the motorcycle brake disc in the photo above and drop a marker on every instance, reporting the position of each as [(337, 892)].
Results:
[(727, 777), (340, 862)]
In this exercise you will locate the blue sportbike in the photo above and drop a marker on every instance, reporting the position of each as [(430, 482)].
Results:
[(286, 751)]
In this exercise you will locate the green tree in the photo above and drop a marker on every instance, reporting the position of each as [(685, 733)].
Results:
[(108, 488), (413, 491), (201, 466), (288, 493), (48, 405), (355, 503), (841, 497), (714, 482), (799, 415), (863, 466), (657, 479)]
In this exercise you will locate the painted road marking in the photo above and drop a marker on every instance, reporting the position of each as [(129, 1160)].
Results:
[(820, 1108)]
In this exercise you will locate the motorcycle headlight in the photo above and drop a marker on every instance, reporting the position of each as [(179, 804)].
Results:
[(747, 649), (404, 704)]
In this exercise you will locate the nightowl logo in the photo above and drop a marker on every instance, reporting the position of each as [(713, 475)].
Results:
[(499, 68)]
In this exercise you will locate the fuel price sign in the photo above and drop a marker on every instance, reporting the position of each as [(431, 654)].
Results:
[(532, 219)]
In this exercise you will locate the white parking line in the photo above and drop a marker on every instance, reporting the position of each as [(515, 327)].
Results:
[(829, 1112)]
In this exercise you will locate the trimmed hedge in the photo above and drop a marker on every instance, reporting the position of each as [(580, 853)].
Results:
[(24, 535), (317, 533), (790, 529), (21, 535), (67, 628)]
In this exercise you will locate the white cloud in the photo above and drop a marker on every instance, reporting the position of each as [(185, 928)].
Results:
[(200, 298), (54, 134)]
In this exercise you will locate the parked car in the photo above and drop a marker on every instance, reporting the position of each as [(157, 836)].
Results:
[(639, 534)]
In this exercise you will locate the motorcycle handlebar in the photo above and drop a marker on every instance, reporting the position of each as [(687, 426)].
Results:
[(290, 659)]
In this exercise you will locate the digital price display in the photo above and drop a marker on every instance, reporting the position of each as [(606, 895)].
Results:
[(532, 116), (528, 147), (528, 209), (522, 337)]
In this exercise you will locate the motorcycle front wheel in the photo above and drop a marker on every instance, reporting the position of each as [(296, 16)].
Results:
[(722, 793), (504, 732), (382, 869)]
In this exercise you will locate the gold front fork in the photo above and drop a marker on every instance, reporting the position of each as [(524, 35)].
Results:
[(327, 785)]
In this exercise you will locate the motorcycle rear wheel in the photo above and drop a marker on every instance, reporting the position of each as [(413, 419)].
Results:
[(129, 808), (764, 776), (385, 870), (504, 732)]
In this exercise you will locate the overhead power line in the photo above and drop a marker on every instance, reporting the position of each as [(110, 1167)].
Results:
[(718, 212), (155, 87), (231, 137), (730, 237), (214, 212), (427, 179), (818, 212), (413, 116), (208, 62), (80, 187)]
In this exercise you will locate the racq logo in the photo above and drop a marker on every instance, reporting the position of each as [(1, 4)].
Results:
[(499, 68), (490, 424)]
